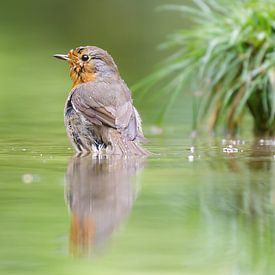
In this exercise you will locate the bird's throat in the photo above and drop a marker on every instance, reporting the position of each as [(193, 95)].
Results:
[(81, 75)]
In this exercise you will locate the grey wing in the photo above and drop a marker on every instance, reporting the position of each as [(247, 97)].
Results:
[(85, 99), (102, 106)]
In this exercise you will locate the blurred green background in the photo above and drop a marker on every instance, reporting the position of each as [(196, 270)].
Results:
[(196, 208)]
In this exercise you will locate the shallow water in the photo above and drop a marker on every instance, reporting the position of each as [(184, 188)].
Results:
[(204, 207)]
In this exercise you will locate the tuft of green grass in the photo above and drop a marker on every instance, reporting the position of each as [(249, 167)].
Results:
[(227, 53)]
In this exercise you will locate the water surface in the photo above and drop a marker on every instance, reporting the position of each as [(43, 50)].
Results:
[(204, 207)]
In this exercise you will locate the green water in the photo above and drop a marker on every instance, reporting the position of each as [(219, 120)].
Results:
[(187, 210), (192, 208)]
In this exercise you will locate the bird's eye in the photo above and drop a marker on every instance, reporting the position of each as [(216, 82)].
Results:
[(84, 57)]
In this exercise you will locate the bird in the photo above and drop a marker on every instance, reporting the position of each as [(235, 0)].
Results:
[(99, 115)]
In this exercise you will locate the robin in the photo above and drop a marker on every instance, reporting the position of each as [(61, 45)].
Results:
[(99, 112)]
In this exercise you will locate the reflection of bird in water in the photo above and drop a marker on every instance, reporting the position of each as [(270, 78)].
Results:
[(100, 194)]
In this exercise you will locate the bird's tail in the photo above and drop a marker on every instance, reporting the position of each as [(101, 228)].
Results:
[(121, 146)]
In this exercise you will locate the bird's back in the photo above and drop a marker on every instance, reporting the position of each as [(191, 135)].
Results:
[(105, 109)]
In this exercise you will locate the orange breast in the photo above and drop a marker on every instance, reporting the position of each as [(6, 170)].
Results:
[(81, 77)]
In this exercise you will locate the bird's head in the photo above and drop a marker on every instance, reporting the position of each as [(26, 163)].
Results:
[(88, 63)]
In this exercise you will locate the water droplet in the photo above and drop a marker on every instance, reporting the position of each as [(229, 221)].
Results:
[(27, 178), (190, 158)]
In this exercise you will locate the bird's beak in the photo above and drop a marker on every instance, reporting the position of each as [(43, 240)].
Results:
[(62, 56)]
